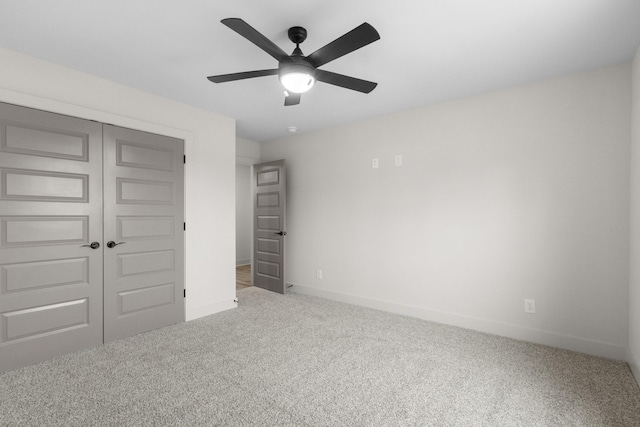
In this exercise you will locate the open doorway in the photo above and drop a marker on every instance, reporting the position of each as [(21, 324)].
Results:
[(247, 155), (244, 226)]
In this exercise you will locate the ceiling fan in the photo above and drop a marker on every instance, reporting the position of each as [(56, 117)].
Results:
[(297, 72)]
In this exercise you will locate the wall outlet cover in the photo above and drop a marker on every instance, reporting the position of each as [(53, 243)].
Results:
[(530, 306)]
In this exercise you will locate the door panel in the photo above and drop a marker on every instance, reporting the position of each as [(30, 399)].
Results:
[(142, 192), (28, 276), (38, 140), (50, 284), (131, 228), (131, 264), (43, 230), (269, 226), (22, 184), (37, 322), (144, 208)]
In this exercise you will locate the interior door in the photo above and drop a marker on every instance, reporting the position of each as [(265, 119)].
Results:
[(269, 226), (50, 213), (143, 232)]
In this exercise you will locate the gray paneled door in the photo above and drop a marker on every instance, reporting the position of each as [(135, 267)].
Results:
[(62, 183), (50, 210), (269, 226), (143, 232)]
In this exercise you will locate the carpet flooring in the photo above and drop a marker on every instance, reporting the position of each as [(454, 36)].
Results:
[(296, 360)]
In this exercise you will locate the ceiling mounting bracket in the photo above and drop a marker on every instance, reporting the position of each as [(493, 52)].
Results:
[(297, 35)]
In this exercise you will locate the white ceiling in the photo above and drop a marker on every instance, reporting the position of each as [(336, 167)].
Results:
[(430, 50)]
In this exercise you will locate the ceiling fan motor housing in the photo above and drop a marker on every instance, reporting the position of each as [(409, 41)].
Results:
[(297, 74), (297, 34)]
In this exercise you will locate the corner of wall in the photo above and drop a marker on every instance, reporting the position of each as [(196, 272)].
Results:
[(209, 309), (634, 364), (247, 152), (634, 274)]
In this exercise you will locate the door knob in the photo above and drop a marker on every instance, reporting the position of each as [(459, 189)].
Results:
[(112, 244), (93, 245), (281, 233)]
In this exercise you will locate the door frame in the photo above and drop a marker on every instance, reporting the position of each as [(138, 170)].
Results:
[(249, 161)]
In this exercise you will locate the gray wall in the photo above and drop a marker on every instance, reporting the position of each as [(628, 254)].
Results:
[(247, 154), (521, 193), (244, 223), (634, 294)]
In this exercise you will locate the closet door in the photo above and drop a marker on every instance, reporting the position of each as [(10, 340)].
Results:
[(143, 232), (50, 217)]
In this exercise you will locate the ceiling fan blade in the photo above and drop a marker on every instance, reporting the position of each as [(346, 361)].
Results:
[(255, 37), (292, 99), (241, 76), (347, 82), (353, 40)]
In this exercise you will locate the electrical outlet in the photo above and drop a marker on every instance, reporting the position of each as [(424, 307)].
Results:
[(530, 306), (375, 163), (399, 160), (319, 274)]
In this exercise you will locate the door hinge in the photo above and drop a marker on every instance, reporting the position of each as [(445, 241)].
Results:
[(184, 295), (184, 159), (184, 224)]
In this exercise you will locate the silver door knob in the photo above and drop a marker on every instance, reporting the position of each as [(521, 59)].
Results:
[(112, 244), (93, 245)]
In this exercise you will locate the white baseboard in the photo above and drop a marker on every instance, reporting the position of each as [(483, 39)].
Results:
[(209, 309), (240, 262), (634, 364), (567, 342)]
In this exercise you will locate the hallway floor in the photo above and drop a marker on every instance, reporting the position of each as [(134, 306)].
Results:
[(243, 276)]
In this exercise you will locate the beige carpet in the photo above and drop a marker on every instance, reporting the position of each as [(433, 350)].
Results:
[(295, 360)]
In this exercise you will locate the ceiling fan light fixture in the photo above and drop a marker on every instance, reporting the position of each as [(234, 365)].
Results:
[(296, 72), (297, 78)]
